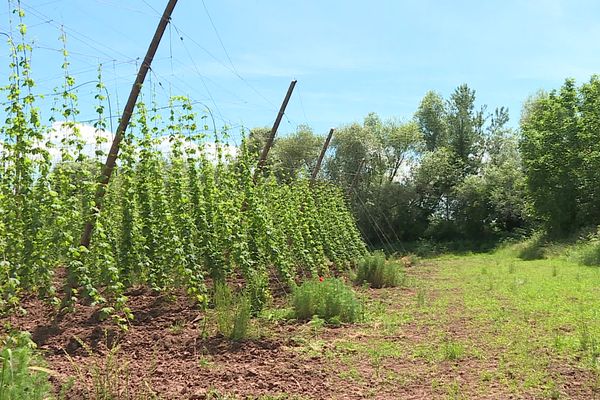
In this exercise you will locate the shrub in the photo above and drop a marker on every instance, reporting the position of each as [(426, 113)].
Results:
[(329, 299), (588, 249), (590, 255), (21, 376), (233, 312), (378, 272), (532, 248)]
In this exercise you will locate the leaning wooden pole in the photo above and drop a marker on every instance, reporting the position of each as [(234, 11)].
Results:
[(321, 156), (265, 151), (111, 160)]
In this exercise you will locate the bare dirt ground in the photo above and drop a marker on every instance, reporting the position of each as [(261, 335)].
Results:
[(401, 351)]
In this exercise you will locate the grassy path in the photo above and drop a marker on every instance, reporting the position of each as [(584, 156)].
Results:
[(485, 326)]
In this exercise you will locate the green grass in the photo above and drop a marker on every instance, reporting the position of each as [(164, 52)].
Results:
[(516, 318), (21, 374), (233, 313), (532, 312), (329, 299), (378, 272)]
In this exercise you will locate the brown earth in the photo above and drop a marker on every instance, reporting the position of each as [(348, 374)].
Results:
[(169, 352)]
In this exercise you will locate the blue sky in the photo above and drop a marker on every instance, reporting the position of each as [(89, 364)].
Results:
[(350, 57)]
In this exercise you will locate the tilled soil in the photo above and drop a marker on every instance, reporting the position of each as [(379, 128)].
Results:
[(169, 353)]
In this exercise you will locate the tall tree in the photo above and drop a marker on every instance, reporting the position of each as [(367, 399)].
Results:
[(431, 118), (296, 153), (552, 155), (465, 129), (402, 142)]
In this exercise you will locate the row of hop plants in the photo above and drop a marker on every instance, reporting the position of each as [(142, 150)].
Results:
[(171, 219)]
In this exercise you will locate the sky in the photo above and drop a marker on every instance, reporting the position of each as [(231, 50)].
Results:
[(350, 58)]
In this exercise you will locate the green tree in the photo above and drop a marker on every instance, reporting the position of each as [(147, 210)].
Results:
[(465, 129), (402, 143), (296, 153), (431, 118), (552, 155)]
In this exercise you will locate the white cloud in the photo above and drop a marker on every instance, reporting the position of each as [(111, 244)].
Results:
[(89, 135)]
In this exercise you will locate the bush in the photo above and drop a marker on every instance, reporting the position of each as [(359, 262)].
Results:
[(329, 299), (21, 376), (233, 313), (587, 251), (378, 272), (590, 255), (532, 248)]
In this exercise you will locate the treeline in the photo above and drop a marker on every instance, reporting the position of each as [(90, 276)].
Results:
[(456, 171), (561, 153)]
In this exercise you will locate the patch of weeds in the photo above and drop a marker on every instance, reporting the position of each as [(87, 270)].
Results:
[(532, 249), (351, 374), (436, 384), (559, 342), (177, 327), (392, 321), (276, 314), (314, 348), (453, 391), (379, 272), (329, 299), (233, 313), (486, 376), (589, 345), (512, 268), (316, 325), (552, 391), (423, 351), (590, 255), (421, 297), (452, 350), (22, 374), (205, 362), (109, 377), (588, 252)]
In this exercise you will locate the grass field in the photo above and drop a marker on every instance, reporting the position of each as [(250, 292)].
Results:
[(478, 326)]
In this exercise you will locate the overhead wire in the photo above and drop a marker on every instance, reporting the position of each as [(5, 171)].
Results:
[(218, 36), (378, 231)]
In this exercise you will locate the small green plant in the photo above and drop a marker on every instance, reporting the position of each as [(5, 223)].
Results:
[(177, 327), (110, 377), (329, 299), (452, 350), (233, 313), (205, 362), (21, 374), (316, 324), (379, 272), (421, 297)]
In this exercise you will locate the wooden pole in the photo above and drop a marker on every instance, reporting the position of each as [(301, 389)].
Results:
[(321, 156), (263, 156), (111, 159)]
